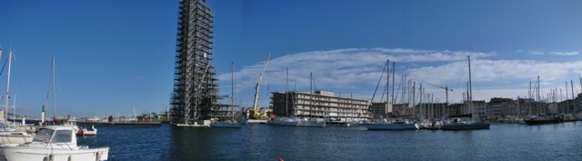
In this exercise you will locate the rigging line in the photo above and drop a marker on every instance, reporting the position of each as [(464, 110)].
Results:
[(3, 66), (375, 90)]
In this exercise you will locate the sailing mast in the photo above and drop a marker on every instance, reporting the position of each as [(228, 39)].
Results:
[(8, 86), (470, 96), (286, 92), (232, 90), (54, 91)]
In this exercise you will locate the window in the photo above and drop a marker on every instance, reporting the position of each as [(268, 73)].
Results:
[(43, 135), (62, 136)]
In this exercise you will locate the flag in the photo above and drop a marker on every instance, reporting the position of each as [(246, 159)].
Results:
[(43, 109)]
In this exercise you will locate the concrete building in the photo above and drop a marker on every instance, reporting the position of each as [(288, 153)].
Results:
[(321, 104), (500, 107), (433, 110), (195, 86), (455, 109)]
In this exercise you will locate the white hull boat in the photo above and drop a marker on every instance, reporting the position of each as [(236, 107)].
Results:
[(56, 143), (92, 131), (391, 126), (15, 137), (283, 122), (311, 123)]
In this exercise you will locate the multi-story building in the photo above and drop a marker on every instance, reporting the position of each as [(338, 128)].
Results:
[(500, 107), (455, 109), (321, 104), (195, 86)]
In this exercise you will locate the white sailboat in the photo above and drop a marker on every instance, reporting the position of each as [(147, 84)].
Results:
[(390, 125), (284, 120), (232, 123), (458, 123), (10, 136)]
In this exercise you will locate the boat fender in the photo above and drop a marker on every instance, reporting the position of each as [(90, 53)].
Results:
[(48, 158), (99, 156), (70, 158)]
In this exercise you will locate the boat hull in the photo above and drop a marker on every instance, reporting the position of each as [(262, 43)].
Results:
[(541, 122), (226, 125), (467, 126), (15, 137), (24, 153), (391, 126), (282, 123)]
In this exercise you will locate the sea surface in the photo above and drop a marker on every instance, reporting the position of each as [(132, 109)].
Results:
[(265, 142)]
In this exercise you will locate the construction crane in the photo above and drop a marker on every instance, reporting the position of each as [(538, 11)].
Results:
[(255, 111), (446, 91)]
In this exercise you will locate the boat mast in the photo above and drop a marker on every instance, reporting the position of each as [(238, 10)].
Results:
[(232, 90), (388, 85), (286, 92), (470, 97), (54, 91), (8, 85)]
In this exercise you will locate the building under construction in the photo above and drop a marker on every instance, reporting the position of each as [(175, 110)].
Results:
[(195, 86)]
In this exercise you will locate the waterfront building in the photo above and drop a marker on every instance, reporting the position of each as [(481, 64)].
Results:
[(479, 109), (380, 110), (568, 106), (500, 107), (195, 86), (456, 109), (433, 110), (321, 104)]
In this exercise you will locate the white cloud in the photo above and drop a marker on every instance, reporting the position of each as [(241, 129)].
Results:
[(566, 53), (357, 71)]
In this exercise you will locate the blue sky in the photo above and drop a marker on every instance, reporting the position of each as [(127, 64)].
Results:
[(114, 55)]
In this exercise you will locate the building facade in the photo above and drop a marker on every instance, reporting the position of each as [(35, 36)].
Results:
[(321, 104), (195, 86)]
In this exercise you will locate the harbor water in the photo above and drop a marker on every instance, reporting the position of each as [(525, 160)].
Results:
[(264, 142)]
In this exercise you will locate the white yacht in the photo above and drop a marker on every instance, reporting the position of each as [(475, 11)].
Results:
[(56, 143), (283, 121), (393, 125)]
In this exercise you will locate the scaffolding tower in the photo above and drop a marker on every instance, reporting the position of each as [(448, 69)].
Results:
[(195, 86)]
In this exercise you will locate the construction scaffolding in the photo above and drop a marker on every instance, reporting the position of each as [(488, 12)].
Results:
[(195, 86)]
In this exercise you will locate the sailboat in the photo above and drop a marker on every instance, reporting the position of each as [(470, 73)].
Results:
[(56, 143), (457, 123), (390, 125), (287, 120), (232, 123), (10, 137)]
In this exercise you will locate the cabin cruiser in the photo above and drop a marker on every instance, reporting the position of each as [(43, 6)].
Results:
[(56, 143)]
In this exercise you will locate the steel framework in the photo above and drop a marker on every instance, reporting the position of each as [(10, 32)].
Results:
[(195, 86)]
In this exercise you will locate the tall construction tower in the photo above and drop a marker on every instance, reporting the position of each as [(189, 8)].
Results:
[(195, 86)]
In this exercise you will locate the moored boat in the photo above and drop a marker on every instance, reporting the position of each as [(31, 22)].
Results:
[(397, 125), (226, 124), (457, 124), (542, 120), (283, 121), (91, 131), (15, 138), (56, 143)]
